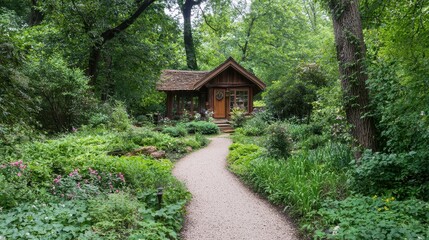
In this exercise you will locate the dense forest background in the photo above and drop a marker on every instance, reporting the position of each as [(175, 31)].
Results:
[(63, 61), (329, 66)]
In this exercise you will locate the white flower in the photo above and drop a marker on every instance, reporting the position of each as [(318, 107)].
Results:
[(335, 230)]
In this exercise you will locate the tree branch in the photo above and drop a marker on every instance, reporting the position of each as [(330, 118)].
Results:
[(205, 20), (110, 33)]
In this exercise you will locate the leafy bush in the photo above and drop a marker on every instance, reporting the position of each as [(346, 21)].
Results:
[(64, 220), (116, 210), (360, 217), (238, 117), (116, 216), (14, 179), (255, 126), (403, 175), (202, 141), (176, 131), (300, 183), (63, 91), (278, 141), (241, 155), (119, 118), (75, 186), (202, 127), (293, 96)]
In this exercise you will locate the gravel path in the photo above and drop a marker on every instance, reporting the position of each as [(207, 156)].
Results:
[(221, 206)]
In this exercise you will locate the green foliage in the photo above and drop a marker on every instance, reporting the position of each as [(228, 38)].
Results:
[(240, 157), (119, 192), (403, 175), (119, 118), (64, 220), (307, 136), (115, 217), (238, 117), (300, 183), (256, 126), (75, 186), (278, 140), (400, 109), (14, 180), (63, 92), (293, 97), (202, 127), (360, 217), (201, 140), (177, 131)]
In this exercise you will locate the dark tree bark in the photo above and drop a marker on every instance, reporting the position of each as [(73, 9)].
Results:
[(245, 47), (36, 15), (95, 51), (186, 9), (351, 54)]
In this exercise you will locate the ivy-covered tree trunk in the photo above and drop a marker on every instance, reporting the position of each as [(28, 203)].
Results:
[(351, 54), (191, 56)]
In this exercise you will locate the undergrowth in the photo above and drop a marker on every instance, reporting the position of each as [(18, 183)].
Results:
[(84, 185)]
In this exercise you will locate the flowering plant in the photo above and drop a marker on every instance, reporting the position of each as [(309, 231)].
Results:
[(76, 186), (13, 183)]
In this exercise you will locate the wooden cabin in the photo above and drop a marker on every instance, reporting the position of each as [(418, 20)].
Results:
[(226, 87)]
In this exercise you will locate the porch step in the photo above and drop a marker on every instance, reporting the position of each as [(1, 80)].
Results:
[(224, 125)]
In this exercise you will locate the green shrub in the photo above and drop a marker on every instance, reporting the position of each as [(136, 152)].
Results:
[(116, 216), (202, 127), (63, 91), (176, 131), (360, 217), (14, 180), (241, 155), (55, 163), (202, 141), (255, 126), (76, 186), (119, 118), (238, 117), (301, 182), (403, 175), (278, 141), (64, 220)]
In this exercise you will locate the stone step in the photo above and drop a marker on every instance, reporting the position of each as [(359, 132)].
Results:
[(224, 125)]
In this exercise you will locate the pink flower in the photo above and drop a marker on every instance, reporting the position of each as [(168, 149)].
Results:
[(19, 174), (74, 173), (117, 190), (121, 176), (57, 180), (17, 163), (78, 185), (92, 171)]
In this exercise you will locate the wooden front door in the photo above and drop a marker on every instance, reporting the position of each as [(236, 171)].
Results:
[(219, 103)]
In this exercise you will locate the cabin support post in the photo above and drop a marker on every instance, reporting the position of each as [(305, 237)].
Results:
[(170, 98)]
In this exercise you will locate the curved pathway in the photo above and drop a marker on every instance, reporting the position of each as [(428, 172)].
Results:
[(221, 206)]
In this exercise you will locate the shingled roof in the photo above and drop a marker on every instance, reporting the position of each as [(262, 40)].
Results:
[(174, 80), (179, 80)]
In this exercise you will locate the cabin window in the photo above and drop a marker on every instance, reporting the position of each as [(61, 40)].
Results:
[(184, 102), (239, 98)]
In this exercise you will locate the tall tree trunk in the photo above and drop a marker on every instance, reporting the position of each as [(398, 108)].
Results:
[(351, 54), (191, 56), (246, 42), (36, 15), (95, 51)]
